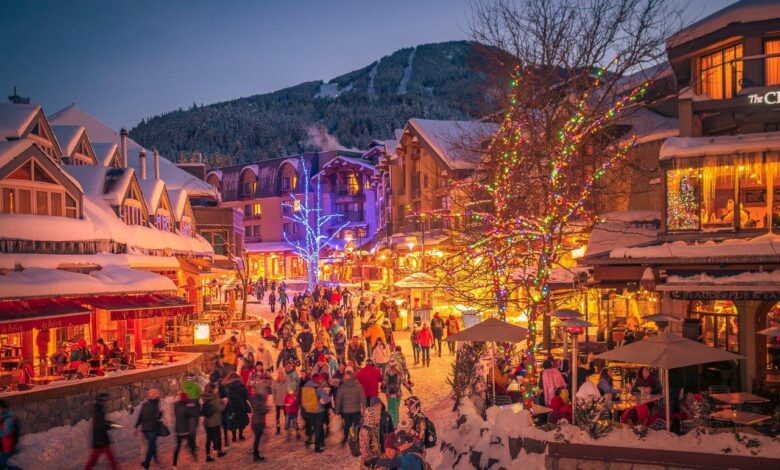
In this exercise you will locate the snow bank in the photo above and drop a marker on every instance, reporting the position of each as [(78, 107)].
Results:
[(491, 438)]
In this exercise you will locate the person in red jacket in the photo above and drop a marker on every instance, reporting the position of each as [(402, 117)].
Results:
[(369, 377), (453, 327), (291, 412), (326, 320), (425, 341)]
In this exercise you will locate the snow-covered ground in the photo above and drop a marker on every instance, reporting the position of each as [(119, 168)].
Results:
[(66, 448)]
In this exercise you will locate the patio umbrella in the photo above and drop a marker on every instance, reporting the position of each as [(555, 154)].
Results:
[(492, 330), (774, 332), (668, 351)]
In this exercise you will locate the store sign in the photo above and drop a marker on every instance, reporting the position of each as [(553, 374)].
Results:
[(770, 97), (725, 295)]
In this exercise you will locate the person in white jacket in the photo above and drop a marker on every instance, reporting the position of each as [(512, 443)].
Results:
[(264, 355), (380, 354)]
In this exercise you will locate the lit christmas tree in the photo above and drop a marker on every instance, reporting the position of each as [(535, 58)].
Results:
[(683, 206), (310, 215)]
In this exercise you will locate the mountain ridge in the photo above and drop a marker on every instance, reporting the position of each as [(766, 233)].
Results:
[(432, 81)]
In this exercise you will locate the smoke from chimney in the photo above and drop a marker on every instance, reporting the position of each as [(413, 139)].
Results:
[(156, 155), (142, 159), (123, 147)]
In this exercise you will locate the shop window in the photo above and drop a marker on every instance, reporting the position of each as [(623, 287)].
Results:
[(719, 323), (773, 345), (720, 73), (772, 62), (753, 191), (773, 174), (718, 201), (682, 199)]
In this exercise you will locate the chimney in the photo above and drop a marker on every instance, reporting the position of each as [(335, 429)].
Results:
[(123, 147), (156, 155), (142, 160)]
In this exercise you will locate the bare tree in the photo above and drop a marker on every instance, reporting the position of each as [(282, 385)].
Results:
[(579, 66), (241, 268)]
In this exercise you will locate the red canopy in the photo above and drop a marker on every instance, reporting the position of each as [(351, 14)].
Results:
[(126, 307), (17, 316)]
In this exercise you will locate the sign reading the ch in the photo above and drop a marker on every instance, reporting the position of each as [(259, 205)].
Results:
[(770, 97)]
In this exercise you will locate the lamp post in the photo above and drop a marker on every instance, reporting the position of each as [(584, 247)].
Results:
[(565, 314), (574, 327)]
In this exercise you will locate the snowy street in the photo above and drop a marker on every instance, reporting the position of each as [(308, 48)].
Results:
[(66, 448)]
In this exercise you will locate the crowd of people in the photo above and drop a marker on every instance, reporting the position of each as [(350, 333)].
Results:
[(332, 359)]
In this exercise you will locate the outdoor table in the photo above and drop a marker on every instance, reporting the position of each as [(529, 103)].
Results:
[(45, 379), (635, 401), (738, 398), (744, 418)]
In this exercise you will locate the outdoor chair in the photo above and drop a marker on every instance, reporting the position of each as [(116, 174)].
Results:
[(659, 425)]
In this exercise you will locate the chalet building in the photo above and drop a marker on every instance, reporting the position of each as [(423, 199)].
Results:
[(265, 193), (88, 249), (713, 259)]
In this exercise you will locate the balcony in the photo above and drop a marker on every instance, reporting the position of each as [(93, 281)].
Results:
[(351, 216)]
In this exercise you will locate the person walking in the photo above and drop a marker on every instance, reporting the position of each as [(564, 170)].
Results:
[(211, 410), (392, 380), (101, 444), (340, 344), (415, 346), (149, 420), (237, 409), (287, 354), (314, 399), (186, 416), (291, 411), (356, 352), (305, 339), (437, 328), (368, 436), (9, 435), (380, 354), (272, 300), (425, 341), (229, 355), (350, 401), (349, 322), (419, 422), (369, 377), (453, 327), (259, 410), (283, 301), (264, 355), (279, 392)]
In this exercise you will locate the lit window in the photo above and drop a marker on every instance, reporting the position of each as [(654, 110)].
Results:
[(772, 64), (257, 209), (682, 199), (720, 73)]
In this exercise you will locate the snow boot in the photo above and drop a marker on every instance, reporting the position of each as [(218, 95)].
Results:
[(209, 458), (278, 430)]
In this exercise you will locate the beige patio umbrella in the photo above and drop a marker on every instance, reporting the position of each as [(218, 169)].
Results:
[(418, 280), (668, 351), (492, 330), (774, 332)]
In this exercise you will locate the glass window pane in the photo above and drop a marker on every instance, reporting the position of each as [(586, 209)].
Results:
[(25, 201), (772, 64), (56, 204), (42, 202), (682, 199), (9, 201), (718, 198)]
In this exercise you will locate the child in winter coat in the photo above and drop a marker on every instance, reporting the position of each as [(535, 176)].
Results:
[(279, 391), (291, 412)]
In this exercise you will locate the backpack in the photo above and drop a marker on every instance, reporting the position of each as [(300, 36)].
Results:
[(392, 383), (207, 410), (309, 401), (430, 439), (425, 464)]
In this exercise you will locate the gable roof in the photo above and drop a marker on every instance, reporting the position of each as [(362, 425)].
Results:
[(105, 151), (15, 118), (153, 190), (174, 177), (9, 149), (68, 137), (179, 201), (744, 11), (100, 182), (455, 142)]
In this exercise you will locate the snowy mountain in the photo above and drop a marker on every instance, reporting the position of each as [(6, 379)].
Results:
[(433, 81)]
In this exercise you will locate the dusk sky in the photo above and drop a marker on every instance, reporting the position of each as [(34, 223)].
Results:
[(124, 61)]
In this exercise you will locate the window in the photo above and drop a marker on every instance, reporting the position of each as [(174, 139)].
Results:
[(751, 172), (720, 73), (24, 202), (70, 207), (682, 199), (132, 214), (416, 166), (353, 186), (286, 183), (56, 204), (9, 200), (719, 323), (42, 202), (252, 233), (247, 210), (185, 228), (163, 222), (257, 209), (772, 63), (218, 241)]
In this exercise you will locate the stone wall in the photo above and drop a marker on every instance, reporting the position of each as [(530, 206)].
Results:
[(68, 403)]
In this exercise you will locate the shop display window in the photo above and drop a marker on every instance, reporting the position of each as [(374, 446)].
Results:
[(719, 323)]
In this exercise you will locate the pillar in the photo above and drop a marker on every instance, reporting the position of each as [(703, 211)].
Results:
[(748, 373)]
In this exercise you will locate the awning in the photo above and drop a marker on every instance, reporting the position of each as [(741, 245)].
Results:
[(17, 316), (141, 306)]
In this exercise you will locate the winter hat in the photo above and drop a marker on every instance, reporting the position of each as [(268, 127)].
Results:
[(376, 401)]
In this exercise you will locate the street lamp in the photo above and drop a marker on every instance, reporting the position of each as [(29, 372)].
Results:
[(574, 327)]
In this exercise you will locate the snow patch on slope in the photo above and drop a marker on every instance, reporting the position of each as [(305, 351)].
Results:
[(371, 77), (402, 87)]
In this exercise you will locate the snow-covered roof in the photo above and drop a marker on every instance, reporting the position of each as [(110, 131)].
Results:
[(339, 160), (42, 282), (104, 151), (100, 182), (720, 145), (456, 142), (767, 245), (743, 11), (67, 137), (174, 177), (15, 118), (51, 261), (623, 229), (267, 247), (10, 149), (152, 190), (178, 199), (648, 126), (703, 280)]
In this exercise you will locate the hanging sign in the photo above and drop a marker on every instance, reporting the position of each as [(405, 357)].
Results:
[(770, 97)]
